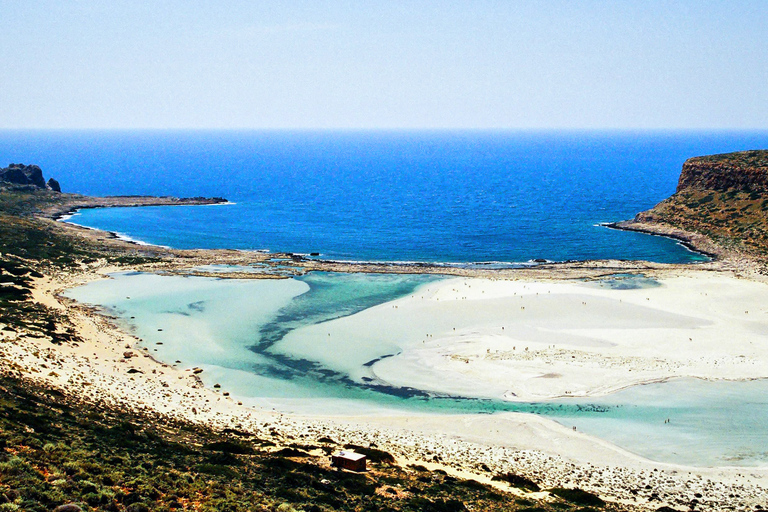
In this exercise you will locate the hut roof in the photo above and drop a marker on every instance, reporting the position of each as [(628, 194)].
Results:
[(350, 455)]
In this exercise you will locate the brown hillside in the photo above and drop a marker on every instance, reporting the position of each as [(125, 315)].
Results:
[(723, 198)]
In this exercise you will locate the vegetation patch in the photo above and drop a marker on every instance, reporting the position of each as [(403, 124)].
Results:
[(578, 496), (518, 481), (55, 451), (229, 447)]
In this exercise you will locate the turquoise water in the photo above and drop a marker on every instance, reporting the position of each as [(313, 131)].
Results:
[(718, 423), (233, 329)]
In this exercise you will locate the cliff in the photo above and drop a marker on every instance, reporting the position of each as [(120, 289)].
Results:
[(746, 171), (720, 206)]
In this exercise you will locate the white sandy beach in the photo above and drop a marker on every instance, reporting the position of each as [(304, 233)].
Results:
[(529, 341), (580, 339)]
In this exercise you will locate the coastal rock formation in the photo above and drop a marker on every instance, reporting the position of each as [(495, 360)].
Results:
[(746, 171), (720, 206), (54, 185), (28, 176)]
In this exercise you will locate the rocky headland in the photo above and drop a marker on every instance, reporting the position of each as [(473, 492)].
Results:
[(20, 176), (720, 207), (30, 207), (27, 185)]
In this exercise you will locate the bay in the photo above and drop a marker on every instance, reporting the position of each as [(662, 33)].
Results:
[(440, 196)]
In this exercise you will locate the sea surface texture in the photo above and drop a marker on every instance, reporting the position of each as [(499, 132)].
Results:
[(456, 197)]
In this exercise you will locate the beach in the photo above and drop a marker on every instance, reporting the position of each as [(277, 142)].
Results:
[(528, 340), (597, 333)]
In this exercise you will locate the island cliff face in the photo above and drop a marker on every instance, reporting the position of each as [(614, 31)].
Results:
[(720, 206)]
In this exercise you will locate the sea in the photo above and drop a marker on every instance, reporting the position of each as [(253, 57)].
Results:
[(428, 196), (445, 197)]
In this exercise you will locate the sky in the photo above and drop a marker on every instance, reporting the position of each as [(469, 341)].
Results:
[(514, 64)]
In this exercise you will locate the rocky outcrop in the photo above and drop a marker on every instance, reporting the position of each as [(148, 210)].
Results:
[(745, 171), (720, 207), (27, 176), (54, 185)]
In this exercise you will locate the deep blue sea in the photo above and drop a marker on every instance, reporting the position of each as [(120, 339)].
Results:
[(391, 196)]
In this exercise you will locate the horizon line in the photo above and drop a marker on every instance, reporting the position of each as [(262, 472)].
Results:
[(385, 129)]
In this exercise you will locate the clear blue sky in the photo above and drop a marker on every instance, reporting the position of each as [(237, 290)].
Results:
[(384, 64)]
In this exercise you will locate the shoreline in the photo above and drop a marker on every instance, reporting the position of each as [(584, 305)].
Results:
[(96, 369), (694, 242), (538, 448), (78, 202), (691, 241), (172, 259)]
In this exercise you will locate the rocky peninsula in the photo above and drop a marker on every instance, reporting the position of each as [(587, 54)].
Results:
[(720, 207)]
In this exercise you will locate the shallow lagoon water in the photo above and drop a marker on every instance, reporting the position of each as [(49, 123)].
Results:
[(237, 330)]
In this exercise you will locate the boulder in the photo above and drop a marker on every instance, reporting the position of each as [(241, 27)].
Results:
[(68, 507), (54, 185)]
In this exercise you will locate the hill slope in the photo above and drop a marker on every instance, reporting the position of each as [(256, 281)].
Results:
[(720, 206)]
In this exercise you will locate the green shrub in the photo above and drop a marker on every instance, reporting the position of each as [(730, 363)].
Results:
[(15, 466), (578, 496), (518, 481), (373, 454), (229, 447)]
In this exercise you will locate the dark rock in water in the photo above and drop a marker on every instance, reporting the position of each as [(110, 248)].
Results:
[(27, 176), (68, 507), (54, 185), (539, 260), (314, 254)]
